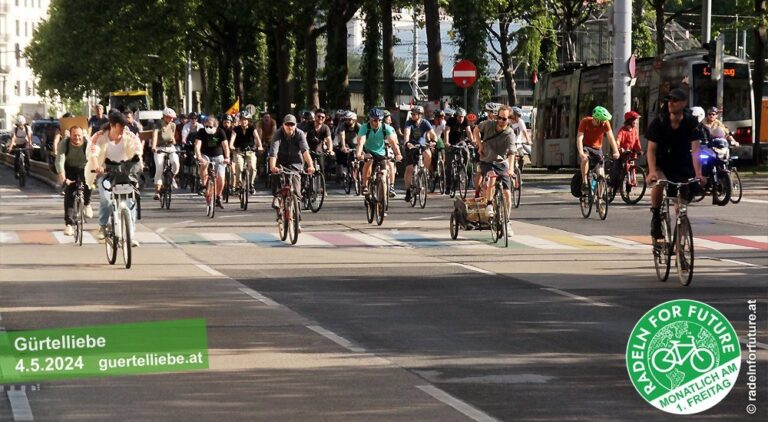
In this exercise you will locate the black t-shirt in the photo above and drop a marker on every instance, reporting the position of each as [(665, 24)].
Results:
[(315, 137), (210, 145), (244, 137), (458, 130), (673, 146), (95, 123)]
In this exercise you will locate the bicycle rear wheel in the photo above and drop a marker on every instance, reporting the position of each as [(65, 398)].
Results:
[(602, 198), (358, 181), (684, 251), (423, 189), (22, 177), (245, 188), (125, 236), (454, 224), (293, 220), (585, 202), (501, 211), (227, 184), (633, 194), (79, 221), (210, 197), (317, 197), (735, 186), (463, 183), (517, 188), (662, 252), (110, 240), (381, 201)]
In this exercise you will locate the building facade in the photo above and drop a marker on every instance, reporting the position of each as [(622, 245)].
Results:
[(18, 85)]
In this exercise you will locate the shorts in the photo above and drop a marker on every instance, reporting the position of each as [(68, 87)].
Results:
[(501, 170), (375, 157), (412, 155), (594, 155), (219, 159)]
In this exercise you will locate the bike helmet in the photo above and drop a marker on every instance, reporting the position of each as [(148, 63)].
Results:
[(193, 115), (21, 120), (698, 113), (169, 112), (460, 112), (439, 113), (517, 111), (631, 115), (245, 115), (492, 107), (417, 109), (376, 114), (350, 115), (227, 118), (601, 114), (386, 113), (308, 115)]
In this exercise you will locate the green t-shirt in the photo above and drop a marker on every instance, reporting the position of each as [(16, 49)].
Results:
[(375, 139)]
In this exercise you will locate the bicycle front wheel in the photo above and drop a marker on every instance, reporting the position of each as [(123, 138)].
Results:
[(662, 252), (381, 201), (721, 191), (735, 186), (517, 188), (602, 198), (125, 236), (80, 222), (501, 211), (463, 183), (317, 197), (684, 251), (293, 220), (423, 189), (633, 194), (110, 240), (585, 202)]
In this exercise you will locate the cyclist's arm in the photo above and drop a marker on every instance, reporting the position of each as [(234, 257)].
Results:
[(612, 140), (60, 160), (198, 153), (360, 144), (475, 138), (695, 150), (395, 147), (446, 134), (29, 138), (342, 140), (652, 160), (580, 145), (225, 146), (308, 161), (432, 135), (232, 138), (329, 144), (406, 135), (154, 139), (257, 138)]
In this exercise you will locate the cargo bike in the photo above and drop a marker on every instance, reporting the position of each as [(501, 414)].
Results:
[(471, 214)]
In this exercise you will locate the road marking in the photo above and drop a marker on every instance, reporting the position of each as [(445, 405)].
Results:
[(209, 270), (185, 222), (754, 201), (577, 297), (465, 408), (733, 261), (434, 217), (20, 404), (745, 342), (258, 296), (473, 268), (161, 230), (539, 243), (341, 341)]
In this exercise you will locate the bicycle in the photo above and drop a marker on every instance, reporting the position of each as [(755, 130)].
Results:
[(666, 359), (353, 176), (437, 178), (735, 183), (288, 211), (79, 219), (166, 188), (516, 177), (313, 187), (122, 188), (419, 181), (210, 189), (20, 164), (498, 222), (227, 182), (458, 169), (677, 241), (246, 175), (715, 163), (597, 191), (377, 198)]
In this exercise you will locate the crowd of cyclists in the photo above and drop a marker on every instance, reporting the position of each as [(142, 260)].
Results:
[(345, 148)]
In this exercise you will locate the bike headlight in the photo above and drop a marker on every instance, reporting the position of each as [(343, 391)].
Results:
[(106, 184)]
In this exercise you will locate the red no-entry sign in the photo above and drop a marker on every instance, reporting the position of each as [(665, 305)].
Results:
[(464, 73)]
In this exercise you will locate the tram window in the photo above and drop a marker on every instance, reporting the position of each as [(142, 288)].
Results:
[(736, 98)]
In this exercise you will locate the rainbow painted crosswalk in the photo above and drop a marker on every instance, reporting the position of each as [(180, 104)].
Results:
[(563, 241)]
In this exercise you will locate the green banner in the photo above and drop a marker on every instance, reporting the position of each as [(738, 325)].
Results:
[(105, 350)]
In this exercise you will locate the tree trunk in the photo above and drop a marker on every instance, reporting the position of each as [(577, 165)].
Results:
[(388, 54), (758, 76), (237, 70), (178, 90), (204, 98), (283, 74), (297, 46), (273, 95), (225, 79), (336, 67), (506, 62), (311, 86), (660, 25), (434, 47)]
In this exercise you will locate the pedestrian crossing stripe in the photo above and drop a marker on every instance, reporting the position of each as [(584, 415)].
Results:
[(394, 238)]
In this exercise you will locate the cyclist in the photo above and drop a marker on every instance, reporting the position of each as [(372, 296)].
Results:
[(70, 165), (211, 146), (98, 120), (347, 134), (497, 140), (266, 128), (289, 149), (673, 150), (133, 125), (22, 139), (319, 136), (712, 123), (391, 167), (164, 146), (192, 127), (628, 140), (245, 137), (418, 131), (522, 139), (589, 141), (108, 147), (439, 126), (457, 131), (371, 139), (307, 120)]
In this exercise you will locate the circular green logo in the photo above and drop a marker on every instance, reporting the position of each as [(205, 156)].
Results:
[(683, 356)]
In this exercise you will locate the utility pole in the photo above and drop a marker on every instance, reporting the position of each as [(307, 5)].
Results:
[(415, 58), (189, 82), (622, 49), (706, 20)]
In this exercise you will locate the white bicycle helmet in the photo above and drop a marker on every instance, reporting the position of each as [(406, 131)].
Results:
[(21, 120), (169, 112), (698, 113), (350, 115)]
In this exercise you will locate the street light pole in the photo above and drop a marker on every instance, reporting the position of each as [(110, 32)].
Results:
[(622, 30), (706, 20)]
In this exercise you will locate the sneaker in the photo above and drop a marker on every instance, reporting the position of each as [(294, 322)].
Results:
[(156, 197), (69, 230), (365, 190), (510, 232), (408, 195), (88, 211), (252, 191), (174, 184), (102, 233), (218, 202), (392, 193), (135, 243), (489, 210), (584, 189), (656, 232), (299, 229), (275, 203)]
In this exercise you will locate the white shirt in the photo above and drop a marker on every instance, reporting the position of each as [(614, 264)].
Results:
[(115, 152), (518, 128), (439, 129), (187, 129)]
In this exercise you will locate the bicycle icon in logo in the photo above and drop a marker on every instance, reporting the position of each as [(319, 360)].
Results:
[(666, 359)]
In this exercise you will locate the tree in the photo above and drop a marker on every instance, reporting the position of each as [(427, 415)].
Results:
[(434, 50), (336, 68), (471, 39), (369, 66), (569, 16), (388, 50)]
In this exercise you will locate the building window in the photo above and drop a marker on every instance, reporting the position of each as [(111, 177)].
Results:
[(17, 89), (18, 55), (18, 26), (29, 89), (26, 29)]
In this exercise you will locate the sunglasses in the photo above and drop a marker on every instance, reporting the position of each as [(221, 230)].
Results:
[(502, 119), (289, 124), (673, 100), (712, 114), (209, 127), (320, 117)]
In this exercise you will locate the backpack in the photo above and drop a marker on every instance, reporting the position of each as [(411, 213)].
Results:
[(576, 185), (384, 127)]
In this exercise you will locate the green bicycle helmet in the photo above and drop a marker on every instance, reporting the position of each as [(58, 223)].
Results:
[(600, 113)]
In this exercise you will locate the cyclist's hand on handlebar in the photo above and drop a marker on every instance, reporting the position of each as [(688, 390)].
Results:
[(274, 170), (360, 157), (582, 156), (616, 155), (398, 158), (652, 178), (310, 170)]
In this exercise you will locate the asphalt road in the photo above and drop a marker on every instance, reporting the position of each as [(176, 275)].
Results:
[(359, 322)]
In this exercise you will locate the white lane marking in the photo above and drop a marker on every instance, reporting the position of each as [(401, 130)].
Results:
[(615, 242), (539, 243), (733, 261), (222, 237), (434, 217), (465, 408), (9, 237), (161, 230), (745, 341), (20, 405), (258, 296), (341, 341), (718, 246), (209, 270), (6, 217), (184, 222), (754, 201), (758, 238), (577, 297), (472, 268)]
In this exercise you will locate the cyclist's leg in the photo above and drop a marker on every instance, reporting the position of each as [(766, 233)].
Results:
[(203, 170), (159, 158), (251, 163), (174, 162), (427, 158), (238, 164), (220, 173), (104, 205), (367, 170), (584, 166), (69, 199)]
